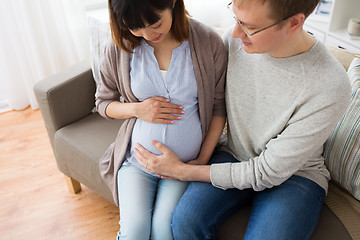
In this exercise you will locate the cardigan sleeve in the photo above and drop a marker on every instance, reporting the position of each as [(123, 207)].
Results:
[(108, 88), (220, 63)]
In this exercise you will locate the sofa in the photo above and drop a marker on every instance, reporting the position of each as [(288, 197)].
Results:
[(79, 136)]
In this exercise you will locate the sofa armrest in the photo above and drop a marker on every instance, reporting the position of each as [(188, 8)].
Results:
[(66, 97)]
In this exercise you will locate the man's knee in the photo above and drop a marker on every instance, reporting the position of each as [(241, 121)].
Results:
[(185, 220), (192, 217), (181, 219)]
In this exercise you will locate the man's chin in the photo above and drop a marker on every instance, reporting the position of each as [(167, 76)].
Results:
[(248, 49)]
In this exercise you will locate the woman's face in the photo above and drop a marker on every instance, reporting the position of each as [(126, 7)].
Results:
[(158, 31)]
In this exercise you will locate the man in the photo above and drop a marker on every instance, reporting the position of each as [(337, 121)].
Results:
[(285, 94)]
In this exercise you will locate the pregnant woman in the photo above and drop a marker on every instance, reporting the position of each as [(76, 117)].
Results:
[(164, 74)]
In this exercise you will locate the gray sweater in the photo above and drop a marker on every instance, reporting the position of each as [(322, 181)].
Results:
[(209, 60), (280, 113)]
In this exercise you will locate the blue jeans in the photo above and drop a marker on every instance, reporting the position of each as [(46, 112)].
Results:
[(146, 204), (288, 211)]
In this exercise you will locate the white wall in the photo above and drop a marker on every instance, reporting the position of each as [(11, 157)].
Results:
[(95, 4), (210, 12)]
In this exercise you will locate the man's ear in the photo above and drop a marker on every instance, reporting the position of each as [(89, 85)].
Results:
[(296, 22)]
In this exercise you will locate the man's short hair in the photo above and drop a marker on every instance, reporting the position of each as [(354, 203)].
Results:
[(281, 9)]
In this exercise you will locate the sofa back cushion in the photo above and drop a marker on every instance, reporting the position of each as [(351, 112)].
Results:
[(342, 150), (100, 35), (343, 56)]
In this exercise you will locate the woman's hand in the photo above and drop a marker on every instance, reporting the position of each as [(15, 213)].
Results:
[(167, 165), (158, 110), (198, 161)]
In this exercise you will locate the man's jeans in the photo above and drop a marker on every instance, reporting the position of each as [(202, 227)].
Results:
[(289, 211)]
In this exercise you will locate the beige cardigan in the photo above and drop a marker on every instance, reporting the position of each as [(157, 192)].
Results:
[(210, 61)]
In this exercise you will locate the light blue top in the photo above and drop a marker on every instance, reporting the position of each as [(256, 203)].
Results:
[(184, 137)]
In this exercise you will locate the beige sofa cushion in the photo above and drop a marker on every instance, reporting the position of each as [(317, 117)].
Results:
[(344, 57), (342, 149), (344, 205), (346, 208)]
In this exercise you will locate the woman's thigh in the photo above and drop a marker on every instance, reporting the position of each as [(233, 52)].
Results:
[(288, 211), (136, 191), (168, 195)]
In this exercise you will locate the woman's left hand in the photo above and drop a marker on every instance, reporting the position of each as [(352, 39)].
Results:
[(167, 164), (198, 161)]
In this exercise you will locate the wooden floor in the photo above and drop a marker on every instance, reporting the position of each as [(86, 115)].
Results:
[(34, 201)]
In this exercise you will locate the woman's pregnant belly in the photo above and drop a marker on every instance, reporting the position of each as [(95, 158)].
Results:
[(183, 137)]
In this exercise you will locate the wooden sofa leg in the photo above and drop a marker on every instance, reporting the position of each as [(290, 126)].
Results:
[(73, 185)]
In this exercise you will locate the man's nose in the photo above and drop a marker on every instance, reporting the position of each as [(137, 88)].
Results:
[(238, 32)]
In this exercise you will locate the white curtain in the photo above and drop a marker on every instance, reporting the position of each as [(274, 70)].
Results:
[(37, 39)]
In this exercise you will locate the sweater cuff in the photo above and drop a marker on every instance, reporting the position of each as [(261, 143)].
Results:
[(219, 110), (220, 175), (101, 108)]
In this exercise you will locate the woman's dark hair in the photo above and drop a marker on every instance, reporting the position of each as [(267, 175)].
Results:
[(133, 14)]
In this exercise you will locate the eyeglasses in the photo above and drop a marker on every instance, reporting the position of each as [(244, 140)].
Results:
[(245, 29)]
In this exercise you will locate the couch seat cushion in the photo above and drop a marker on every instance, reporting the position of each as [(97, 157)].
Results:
[(329, 226), (79, 146)]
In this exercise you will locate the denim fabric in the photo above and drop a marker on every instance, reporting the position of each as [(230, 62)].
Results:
[(288, 211), (146, 203)]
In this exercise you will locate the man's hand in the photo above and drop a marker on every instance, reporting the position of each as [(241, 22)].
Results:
[(167, 164)]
